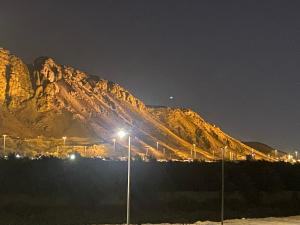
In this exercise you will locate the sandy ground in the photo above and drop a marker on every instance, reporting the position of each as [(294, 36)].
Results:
[(293, 220)]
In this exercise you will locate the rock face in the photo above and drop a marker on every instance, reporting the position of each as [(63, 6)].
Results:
[(4, 60), (53, 100), (15, 82)]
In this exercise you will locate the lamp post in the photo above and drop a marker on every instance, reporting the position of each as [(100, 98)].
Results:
[(194, 149), (122, 134), (64, 138), (296, 155), (222, 189), (157, 145), (114, 142), (4, 144)]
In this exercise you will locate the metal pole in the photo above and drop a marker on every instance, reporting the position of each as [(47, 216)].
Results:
[(194, 151), (128, 181), (222, 194), (157, 145), (114, 140), (4, 144)]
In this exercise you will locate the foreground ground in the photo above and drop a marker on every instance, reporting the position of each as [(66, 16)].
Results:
[(293, 220), (93, 191)]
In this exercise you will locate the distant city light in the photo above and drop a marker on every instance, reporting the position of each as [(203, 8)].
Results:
[(171, 97), (18, 156), (64, 138), (72, 157)]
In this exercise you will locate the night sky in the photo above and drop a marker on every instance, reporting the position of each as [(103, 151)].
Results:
[(237, 63)]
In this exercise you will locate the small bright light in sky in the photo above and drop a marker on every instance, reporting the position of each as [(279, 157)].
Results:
[(171, 97), (72, 157), (121, 133)]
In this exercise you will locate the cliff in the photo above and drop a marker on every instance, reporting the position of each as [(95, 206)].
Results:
[(52, 100)]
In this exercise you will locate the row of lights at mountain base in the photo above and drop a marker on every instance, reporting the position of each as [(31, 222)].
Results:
[(122, 133)]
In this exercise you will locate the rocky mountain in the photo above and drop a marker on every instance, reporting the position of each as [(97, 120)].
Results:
[(268, 150), (49, 100)]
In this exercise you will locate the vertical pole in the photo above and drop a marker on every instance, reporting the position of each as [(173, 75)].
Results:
[(128, 182), (4, 144), (157, 145), (222, 194), (194, 151), (114, 140)]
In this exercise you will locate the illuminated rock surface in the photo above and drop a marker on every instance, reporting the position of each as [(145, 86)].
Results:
[(53, 100)]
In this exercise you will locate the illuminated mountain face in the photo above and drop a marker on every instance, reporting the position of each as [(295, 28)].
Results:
[(53, 100)]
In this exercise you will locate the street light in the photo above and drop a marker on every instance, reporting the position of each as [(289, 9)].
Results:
[(114, 142), (296, 155), (222, 201), (157, 145), (122, 134), (194, 149), (4, 144), (72, 157), (64, 138)]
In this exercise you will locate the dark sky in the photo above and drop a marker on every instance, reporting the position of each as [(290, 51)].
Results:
[(237, 63)]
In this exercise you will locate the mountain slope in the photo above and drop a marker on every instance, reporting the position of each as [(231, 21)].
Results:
[(54, 100), (266, 149)]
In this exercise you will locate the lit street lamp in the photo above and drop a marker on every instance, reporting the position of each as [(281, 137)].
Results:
[(194, 149), (296, 155), (114, 142), (157, 145), (122, 134), (64, 138), (72, 157)]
